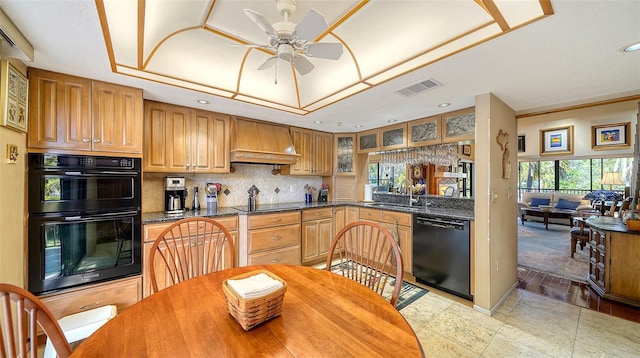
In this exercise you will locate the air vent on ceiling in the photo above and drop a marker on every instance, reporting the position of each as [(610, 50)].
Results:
[(419, 87)]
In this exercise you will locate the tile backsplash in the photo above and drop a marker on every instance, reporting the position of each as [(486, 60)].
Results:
[(235, 187)]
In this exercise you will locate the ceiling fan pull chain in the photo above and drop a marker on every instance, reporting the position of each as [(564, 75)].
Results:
[(275, 79)]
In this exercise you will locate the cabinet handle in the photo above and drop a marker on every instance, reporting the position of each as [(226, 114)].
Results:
[(276, 220), (86, 140), (275, 261), (276, 237), (90, 306), (96, 140)]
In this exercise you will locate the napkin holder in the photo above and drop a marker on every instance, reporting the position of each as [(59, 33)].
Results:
[(253, 311)]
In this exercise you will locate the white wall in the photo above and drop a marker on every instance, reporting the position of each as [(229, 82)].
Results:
[(582, 120)]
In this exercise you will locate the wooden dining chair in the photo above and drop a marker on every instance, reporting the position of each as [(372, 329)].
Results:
[(189, 248), (19, 338), (612, 211), (369, 254)]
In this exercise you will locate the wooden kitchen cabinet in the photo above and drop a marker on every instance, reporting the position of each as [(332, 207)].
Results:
[(59, 111), (344, 188), (322, 150), (614, 271), (393, 137), (73, 114), (344, 154), (459, 125), (449, 127), (117, 118), (302, 141), (270, 239), (151, 232), (122, 293), (425, 131), (368, 141), (317, 233), (182, 140), (316, 152)]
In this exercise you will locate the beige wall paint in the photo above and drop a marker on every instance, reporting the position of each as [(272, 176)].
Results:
[(582, 120), (496, 233), (13, 215)]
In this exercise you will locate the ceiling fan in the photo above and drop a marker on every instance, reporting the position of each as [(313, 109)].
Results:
[(294, 43)]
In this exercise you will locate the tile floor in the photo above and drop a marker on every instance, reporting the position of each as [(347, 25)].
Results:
[(527, 324)]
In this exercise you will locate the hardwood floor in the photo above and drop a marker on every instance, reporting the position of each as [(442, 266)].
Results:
[(576, 293)]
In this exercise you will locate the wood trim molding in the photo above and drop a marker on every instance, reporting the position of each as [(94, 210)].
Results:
[(579, 106)]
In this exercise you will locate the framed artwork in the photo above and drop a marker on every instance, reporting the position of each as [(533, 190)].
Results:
[(557, 140), (521, 144), (12, 153), (14, 90), (610, 136), (466, 149)]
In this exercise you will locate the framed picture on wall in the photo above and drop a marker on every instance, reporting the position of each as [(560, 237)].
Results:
[(557, 140), (14, 90), (610, 136), (521, 144)]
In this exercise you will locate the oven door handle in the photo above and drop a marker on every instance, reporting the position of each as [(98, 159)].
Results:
[(96, 173), (103, 215)]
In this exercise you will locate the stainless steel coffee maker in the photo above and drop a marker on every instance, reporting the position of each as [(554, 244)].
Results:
[(175, 195)]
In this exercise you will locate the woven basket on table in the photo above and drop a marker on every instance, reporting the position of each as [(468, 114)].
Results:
[(253, 311), (633, 224)]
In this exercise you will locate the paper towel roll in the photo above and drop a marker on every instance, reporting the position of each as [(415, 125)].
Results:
[(368, 192)]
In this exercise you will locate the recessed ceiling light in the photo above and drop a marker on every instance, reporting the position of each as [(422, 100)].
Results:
[(358, 126), (392, 120), (202, 101), (632, 47), (317, 122), (446, 104)]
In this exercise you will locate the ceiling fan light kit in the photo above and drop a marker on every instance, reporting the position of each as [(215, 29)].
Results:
[(294, 43)]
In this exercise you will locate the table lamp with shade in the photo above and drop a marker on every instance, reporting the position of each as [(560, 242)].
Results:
[(611, 178)]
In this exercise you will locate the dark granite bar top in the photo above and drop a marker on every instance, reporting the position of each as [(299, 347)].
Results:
[(158, 217), (609, 224)]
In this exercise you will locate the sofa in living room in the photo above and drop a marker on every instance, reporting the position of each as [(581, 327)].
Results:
[(555, 200)]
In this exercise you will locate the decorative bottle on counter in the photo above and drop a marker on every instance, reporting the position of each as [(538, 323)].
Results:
[(196, 202)]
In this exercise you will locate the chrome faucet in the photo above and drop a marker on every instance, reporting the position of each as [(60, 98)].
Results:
[(410, 189)]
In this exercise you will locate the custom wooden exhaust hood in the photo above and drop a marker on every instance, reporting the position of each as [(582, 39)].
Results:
[(261, 142)]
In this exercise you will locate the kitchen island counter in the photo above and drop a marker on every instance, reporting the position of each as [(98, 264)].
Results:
[(158, 217)]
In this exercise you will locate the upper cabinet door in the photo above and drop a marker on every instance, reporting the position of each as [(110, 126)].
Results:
[(167, 138), (322, 153), (344, 154), (210, 142), (368, 141), (59, 111), (424, 131), (459, 125), (302, 141), (394, 137), (117, 118)]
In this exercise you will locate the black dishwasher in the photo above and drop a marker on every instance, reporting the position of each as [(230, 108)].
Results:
[(441, 254)]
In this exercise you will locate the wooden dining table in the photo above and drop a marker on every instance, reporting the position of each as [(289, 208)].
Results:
[(324, 314)]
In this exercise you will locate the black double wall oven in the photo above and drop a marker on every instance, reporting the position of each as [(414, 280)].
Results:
[(84, 220)]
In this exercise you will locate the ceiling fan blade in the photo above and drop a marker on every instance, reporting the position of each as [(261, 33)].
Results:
[(302, 65), (268, 63), (250, 45), (331, 51), (310, 27), (262, 23)]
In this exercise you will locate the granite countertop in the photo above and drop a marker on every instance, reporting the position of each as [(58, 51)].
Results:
[(609, 224), (158, 217)]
